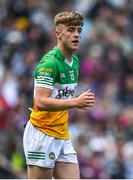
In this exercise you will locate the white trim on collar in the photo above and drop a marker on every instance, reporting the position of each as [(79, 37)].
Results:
[(69, 63)]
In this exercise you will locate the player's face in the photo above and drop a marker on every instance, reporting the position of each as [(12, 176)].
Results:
[(70, 36)]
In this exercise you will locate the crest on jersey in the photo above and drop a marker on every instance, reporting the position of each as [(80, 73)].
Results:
[(71, 72), (62, 75)]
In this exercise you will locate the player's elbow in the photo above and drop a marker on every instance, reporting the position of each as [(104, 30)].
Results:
[(41, 106)]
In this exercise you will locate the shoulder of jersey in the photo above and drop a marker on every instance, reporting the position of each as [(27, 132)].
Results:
[(49, 57)]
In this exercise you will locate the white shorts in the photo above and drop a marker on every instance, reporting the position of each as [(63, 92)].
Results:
[(43, 150)]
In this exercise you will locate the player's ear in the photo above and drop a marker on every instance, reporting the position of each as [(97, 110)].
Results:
[(58, 34), (59, 29)]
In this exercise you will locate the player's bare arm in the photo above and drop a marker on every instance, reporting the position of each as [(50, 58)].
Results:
[(47, 103)]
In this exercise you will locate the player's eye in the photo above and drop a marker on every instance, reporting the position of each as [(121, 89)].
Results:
[(71, 29), (79, 30)]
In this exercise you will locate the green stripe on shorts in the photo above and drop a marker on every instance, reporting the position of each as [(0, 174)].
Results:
[(36, 155)]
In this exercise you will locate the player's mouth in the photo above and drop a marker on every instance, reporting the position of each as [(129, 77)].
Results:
[(75, 42)]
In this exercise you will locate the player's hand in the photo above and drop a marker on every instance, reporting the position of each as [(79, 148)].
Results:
[(84, 100)]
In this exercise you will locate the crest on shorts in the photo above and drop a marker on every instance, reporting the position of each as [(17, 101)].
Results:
[(52, 155)]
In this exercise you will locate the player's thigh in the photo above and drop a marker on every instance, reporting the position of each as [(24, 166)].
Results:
[(36, 172), (65, 170)]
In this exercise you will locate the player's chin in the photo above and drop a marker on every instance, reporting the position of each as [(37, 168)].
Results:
[(75, 48)]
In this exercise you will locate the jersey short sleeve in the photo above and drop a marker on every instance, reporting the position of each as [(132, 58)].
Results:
[(45, 74)]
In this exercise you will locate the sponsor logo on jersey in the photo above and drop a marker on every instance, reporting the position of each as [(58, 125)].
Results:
[(46, 74), (65, 93), (44, 69)]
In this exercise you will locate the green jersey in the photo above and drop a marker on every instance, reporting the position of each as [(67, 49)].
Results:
[(61, 76)]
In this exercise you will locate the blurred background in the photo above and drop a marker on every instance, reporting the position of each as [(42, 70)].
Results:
[(103, 135)]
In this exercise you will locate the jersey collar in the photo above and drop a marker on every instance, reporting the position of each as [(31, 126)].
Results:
[(69, 63), (59, 55)]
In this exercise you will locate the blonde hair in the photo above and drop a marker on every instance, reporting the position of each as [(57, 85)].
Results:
[(69, 18)]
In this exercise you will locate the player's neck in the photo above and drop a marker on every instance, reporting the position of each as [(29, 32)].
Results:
[(67, 53)]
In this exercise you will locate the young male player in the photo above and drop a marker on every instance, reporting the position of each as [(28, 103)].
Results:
[(48, 149)]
